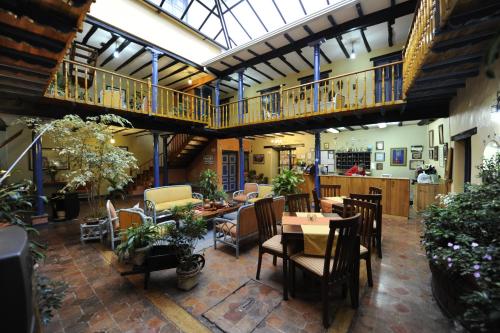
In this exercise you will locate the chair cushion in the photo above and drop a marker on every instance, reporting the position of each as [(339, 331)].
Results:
[(227, 228), (250, 187), (313, 264), (240, 198), (253, 200), (172, 204), (264, 190), (274, 244), (362, 250)]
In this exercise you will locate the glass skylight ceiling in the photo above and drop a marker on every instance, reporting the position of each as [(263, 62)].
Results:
[(245, 19)]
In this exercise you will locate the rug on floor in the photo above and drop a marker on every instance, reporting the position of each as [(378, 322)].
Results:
[(243, 310)]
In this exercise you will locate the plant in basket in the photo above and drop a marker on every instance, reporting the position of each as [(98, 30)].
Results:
[(138, 240)]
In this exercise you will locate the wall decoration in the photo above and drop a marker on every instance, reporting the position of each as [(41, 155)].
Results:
[(416, 155), (258, 158), (380, 166), (379, 145), (441, 134), (379, 157), (417, 148), (415, 163), (445, 151), (436, 153), (208, 159), (326, 145), (431, 154), (441, 157), (50, 156), (398, 156), (431, 138)]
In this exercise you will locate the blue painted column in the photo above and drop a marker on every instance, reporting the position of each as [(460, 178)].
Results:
[(156, 136), (156, 159), (241, 111), (165, 160), (217, 102), (317, 161), (38, 176), (241, 164), (317, 64)]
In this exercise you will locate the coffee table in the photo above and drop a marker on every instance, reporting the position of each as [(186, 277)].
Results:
[(211, 214)]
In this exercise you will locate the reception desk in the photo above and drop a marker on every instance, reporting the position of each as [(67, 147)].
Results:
[(426, 194), (395, 191)]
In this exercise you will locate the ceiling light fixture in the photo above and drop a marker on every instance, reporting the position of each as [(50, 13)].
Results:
[(382, 125), (113, 141), (190, 82), (332, 130), (353, 54)]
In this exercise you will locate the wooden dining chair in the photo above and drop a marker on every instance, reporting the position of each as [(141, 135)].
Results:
[(269, 239), (340, 267), (329, 190), (367, 211), (317, 203), (377, 225), (298, 202)]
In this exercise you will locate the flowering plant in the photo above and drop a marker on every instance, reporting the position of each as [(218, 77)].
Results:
[(462, 235)]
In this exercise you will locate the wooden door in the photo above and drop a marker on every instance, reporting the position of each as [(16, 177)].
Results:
[(229, 171)]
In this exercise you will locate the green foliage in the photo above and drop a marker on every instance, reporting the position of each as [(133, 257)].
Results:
[(253, 177), (50, 296), (462, 235), (287, 182), (209, 186), (137, 237), (94, 160), (185, 236)]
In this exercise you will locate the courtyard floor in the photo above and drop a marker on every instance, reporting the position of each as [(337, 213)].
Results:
[(228, 298)]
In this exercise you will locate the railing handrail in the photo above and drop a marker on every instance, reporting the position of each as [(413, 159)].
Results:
[(181, 92), (76, 63), (13, 165)]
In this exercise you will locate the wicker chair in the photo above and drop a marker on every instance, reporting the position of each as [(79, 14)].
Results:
[(367, 211), (298, 203), (341, 269)]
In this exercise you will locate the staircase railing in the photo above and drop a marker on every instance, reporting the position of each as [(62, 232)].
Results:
[(430, 16), (373, 87)]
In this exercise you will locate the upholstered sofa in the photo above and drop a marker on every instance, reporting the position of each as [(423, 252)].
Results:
[(162, 199), (232, 231)]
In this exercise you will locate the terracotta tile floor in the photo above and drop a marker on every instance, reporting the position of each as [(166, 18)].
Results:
[(100, 300)]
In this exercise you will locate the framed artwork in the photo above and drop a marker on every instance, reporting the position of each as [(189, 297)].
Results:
[(431, 138), (380, 166), (417, 148), (326, 145), (379, 145), (436, 153), (379, 157), (415, 163), (431, 154), (441, 134), (416, 155), (441, 157), (50, 155), (258, 158), (445, 151), (398, 156)]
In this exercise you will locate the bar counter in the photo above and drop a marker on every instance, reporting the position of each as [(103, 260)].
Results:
[(395, 191)]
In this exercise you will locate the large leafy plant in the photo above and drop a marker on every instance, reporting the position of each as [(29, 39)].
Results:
[(209, 185), (287, 182), (94, 160), (462, 236), (137, 237)]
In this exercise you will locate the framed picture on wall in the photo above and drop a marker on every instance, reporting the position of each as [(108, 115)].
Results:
[(416, 155), (431, 138), (418, 148), (431, 154), (258, 158), (380, 166), (415, 163), (326, 145), (398, 156), (445, 151), (441, 134), (436, 153), (379, 145), (441, 157), (379, 157)]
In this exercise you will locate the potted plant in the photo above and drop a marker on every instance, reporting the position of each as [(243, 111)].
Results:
[(93, 157), (210, 189), (462, 242), (184, 238), (287, 182), (138, 242)]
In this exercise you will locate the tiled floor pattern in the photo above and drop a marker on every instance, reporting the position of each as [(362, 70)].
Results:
[(100, 300)]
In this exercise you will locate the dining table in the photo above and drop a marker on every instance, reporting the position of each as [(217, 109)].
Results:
[(296, 227), (332, 204)]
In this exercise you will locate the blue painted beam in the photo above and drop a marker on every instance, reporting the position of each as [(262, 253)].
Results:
[(165, 160), (317, 49), (317, 161), (241, 164), (217, 102), (240, 97), (156, 159), (38, 176)]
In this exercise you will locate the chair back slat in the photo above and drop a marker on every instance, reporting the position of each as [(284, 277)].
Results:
[(329, 190), (344, 234), (266, 219), (298, 202), (367, 210)]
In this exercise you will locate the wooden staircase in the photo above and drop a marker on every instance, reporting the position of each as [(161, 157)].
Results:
[(181, 149)]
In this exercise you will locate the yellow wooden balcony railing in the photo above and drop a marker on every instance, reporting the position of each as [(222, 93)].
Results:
[(431, 14), (374, 87), (89, 85)]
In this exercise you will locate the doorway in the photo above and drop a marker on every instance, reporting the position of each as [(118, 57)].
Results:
[(463, 157), (229, 171)]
